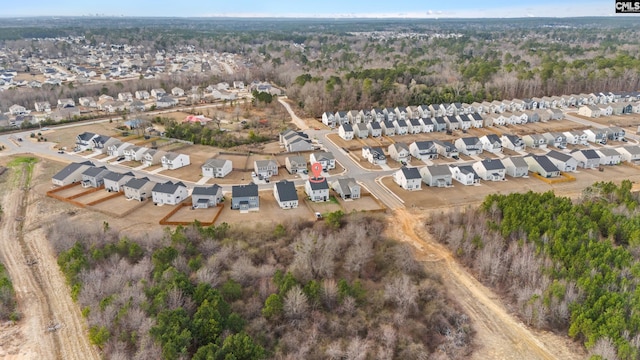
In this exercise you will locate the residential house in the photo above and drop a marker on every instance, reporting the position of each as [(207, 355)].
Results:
[(346, 131), (616, 133), (166, 101), (424, 111), (423, 150), (427, 125), (138, 189), (478, 108), (543, 114), (245, 197), (541, 165), (326, 159), (354, 117), (172, 160), (102, 142), (114, 181), (476, 120), (617, 108), (609, 156), (408, 178), (388, 128), (88, 101), (66, 103), (490, 169), (564, 162), (555, 139), (491, 143), (286, 195), (446, 149), (515, 166), (295, 164), (157, 93), (452, 123), (596, 136), (522, 117), (374, 155), (374, 128), (125, 96), (469, 145), (361, 130), (216, 168), (265, 168), (512, 142), (605, 110), (317, 189), (347, 188), (169, 193), (414, 126), (532, 116), (464, 122), (295, 141), (142, 95), (630, 153), (464, 174), (153, 157), (341, 117), (203, 197), (136, 106), (588, 158), (436, 110), (84, 141), (401, 112), (591, 111), (555, 114), (511, 118), (117, 149), (400, 152), (71, 173), (535, 141), (401, 127), (366, 116), (379, 116), (176, 91), (134, 153), (436, 175), (576, 137), (42, 106)]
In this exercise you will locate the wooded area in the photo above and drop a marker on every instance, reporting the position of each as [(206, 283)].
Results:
[(303, 290), (566, 266)]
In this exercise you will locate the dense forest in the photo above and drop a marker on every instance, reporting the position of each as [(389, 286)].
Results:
[(568, 266), (332, 289)]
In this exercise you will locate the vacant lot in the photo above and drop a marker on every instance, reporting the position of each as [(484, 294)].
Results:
[(626, 120), (188, 214), (431, 197), (365, 203), (67, 137), (325, 206)]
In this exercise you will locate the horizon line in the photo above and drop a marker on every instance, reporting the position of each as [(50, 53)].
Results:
[(322, 17)]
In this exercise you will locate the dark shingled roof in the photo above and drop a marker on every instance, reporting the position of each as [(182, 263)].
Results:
[(168, 187), (206, 190), (244, 190), (137, 183), (493, 164), (287, 190), (69, 169), (319, 184), (410, 173)]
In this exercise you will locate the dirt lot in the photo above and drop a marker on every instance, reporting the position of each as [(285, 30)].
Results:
[(120, 205), (67, 136), (365, 203), (626, 120), (270, 211), (187, 214), (324, 207), (458, 195)]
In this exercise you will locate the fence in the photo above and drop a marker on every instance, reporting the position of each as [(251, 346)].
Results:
[(165, 219), (564, 177)]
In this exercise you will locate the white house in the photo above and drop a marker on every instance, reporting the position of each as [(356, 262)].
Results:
[(512, 142), (134, 153), (172, 160), (375, 129), (541, 165), (374, 155), (217, 168), (408, 178), (588, 158), (423, 150), (436, 175), (169, 193), (203, 197), (535, 141), (564, 162), (490, 169), (346, 131), (596, 136), (71, 173), (401, 127), (265, 168), (609, 156), (361, 130), (491, 143), (576, 137), (591, 111), (515, 166), (347, 188), (399, 152), (326, 159), (388, 128), (286, 195), (295, 164), (317, 189), (630, 153), (464, 174), (469, 145)]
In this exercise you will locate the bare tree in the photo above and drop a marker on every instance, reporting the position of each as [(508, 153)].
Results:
[(296, 305)]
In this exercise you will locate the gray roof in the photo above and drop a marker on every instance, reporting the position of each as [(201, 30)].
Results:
[(346, 184), (69, 169), (439, 170), (471, 140), (440, 120), (467, 169), (347, 127), (171, 155), (206, 190), (545, 163), (410, 173), (137, 183), (250, 189), (424, 145), (375, 125), (362, 127), (168, 187), (376, 151), (399, 146), (518, 161), (297, 159), (609, 152), (323, 156), (264, 163), (101, 139), (215, 163), (86, 136), (632, 149), (492, 164), (287, 190), (115, 176), (559, 156), (401, 123), (415, 122), (493, 138), (94, 171), (387, 124), (589, 154), (319, 185)]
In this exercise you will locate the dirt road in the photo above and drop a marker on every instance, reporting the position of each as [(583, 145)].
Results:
[(499, 335), (52, 326)]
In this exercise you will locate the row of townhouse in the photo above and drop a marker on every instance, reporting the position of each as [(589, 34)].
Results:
[(113, 147), (549, 165), (494, 107)]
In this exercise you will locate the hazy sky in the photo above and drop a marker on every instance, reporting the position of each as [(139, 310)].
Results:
[(311, 8)]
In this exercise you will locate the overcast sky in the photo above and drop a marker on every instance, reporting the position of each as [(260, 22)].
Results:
[(311, 8)]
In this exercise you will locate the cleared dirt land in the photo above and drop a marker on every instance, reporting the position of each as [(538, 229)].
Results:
[(269, 213)]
